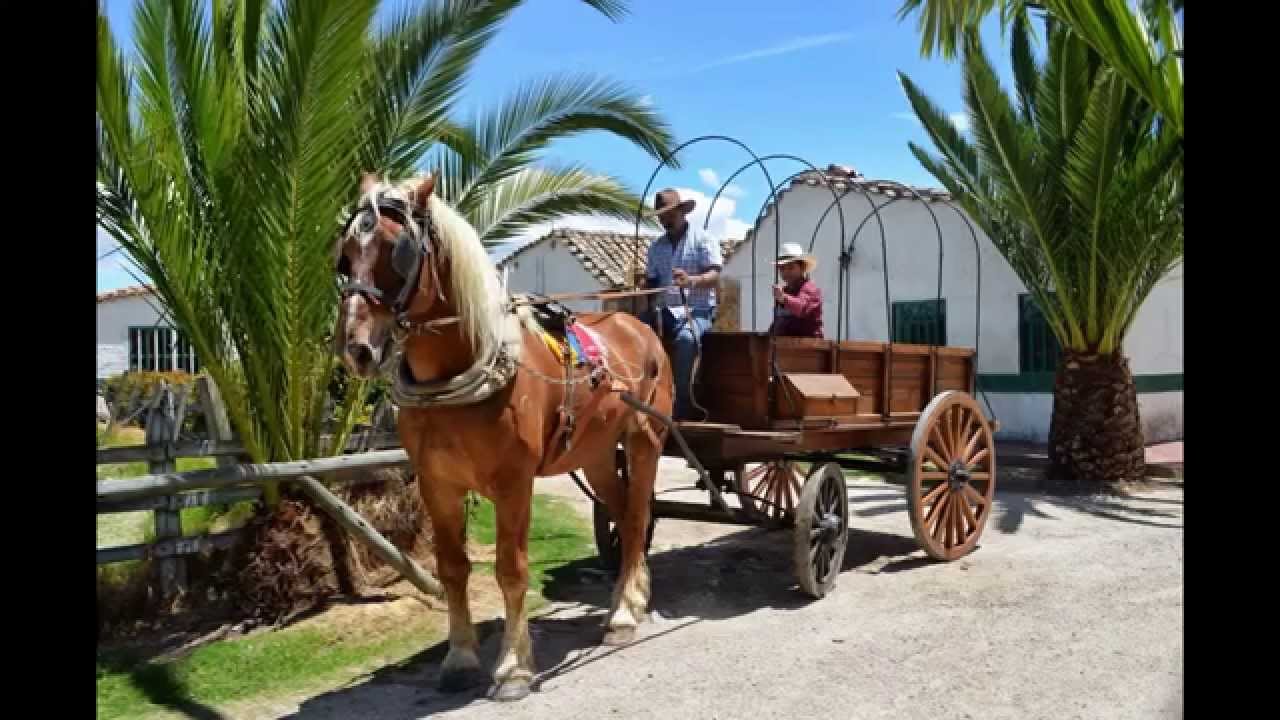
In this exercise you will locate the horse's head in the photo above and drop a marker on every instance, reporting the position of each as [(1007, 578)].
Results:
[(383, 256)]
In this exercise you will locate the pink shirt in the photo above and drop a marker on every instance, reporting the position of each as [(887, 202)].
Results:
[(800, 313)]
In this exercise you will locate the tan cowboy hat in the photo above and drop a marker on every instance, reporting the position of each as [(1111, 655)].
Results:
[(668, 200), (792, 252)]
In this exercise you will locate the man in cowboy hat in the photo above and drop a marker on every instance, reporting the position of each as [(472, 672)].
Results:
[(687, 261), (798, 301)]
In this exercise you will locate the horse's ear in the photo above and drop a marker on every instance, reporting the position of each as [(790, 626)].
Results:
[(425, 188), (367, 182)]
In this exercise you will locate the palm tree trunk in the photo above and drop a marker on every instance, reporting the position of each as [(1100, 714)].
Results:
[(1095, 434)]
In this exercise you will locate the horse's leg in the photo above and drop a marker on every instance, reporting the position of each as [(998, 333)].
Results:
[(515, 667), (631, 601), (461, 668)]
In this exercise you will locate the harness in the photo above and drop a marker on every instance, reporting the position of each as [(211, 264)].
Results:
[(499, 365), (408, 255)]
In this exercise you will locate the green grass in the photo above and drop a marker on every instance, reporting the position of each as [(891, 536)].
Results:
[(305, 656), (291, 659), (557, 535)]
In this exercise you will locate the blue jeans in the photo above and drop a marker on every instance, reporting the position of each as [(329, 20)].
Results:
[(685, 337)]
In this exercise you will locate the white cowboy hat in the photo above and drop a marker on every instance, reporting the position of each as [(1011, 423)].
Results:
[(792, 252)]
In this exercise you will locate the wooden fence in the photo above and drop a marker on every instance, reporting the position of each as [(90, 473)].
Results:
[(165, 492)]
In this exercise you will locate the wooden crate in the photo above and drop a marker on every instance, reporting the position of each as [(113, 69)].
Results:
[(816, 395)]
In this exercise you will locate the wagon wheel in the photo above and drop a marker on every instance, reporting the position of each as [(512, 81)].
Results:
[(777, 482), (952, 476), (821, 530), (608, 541)]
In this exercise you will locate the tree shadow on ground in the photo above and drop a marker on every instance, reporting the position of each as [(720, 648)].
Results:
[(1014, 506), (160, 684), (736, 574)]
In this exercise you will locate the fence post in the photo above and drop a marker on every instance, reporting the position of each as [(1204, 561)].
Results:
[(215, 416), (161, 433)]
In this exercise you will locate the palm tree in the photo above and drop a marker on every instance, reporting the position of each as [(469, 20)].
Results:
[(234, 135), (1143, 47), (231, 142), (1077, 180)]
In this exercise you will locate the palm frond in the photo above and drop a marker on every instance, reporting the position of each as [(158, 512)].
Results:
[(534, 195), (1076, 185), (232, 135), (1120, 36), (525, 123)]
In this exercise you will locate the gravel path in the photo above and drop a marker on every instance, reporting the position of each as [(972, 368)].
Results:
[(1071, 608)]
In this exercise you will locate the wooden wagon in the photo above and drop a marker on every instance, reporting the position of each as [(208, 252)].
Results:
[(778, 403)]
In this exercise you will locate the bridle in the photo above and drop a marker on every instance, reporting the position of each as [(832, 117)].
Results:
[(408, 256)]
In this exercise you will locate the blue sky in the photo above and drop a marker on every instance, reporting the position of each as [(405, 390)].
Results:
[(815, 78)]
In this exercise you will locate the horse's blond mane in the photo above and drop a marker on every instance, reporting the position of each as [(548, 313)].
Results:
[(476, 289)]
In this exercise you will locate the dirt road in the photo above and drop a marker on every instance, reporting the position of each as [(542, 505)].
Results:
[(1071, 608)]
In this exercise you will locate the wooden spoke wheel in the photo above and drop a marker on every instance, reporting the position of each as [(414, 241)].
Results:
[(777, 482), (608, 541), (951, 476), (821, 529)]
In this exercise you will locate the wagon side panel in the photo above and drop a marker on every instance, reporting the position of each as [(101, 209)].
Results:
[(734, 378), (862, 364)]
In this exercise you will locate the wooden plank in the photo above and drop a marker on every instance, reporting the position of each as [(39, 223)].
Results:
[(171, 548), (210, 448), (911, 350), (169, 483), (184, 500)]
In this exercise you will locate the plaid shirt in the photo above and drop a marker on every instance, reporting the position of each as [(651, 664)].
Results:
[(695, 253)]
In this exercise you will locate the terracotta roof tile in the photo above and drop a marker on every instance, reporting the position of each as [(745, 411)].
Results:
[(608, 256), (126, 292)]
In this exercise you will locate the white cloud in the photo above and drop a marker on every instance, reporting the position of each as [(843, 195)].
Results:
[(907, 116), (712, 180), (723, 222), (803, 42)]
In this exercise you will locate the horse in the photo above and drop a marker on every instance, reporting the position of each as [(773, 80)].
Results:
[(486, 406)]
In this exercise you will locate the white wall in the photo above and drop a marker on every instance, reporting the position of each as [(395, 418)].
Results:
[(1025, 416), (115, 317), (1154, 344), (548, 268)]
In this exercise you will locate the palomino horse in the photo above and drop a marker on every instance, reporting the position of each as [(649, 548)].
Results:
[(483, 407)]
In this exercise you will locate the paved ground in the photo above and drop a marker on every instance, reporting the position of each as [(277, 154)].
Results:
[(1071, 608)]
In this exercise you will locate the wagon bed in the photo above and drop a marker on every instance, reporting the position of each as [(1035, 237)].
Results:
[(750, 416)]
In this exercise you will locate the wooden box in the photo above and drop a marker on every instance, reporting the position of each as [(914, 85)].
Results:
[(816, 395)]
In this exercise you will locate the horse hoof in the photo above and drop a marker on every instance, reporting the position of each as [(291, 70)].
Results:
[(620, 636), (511, 691), (462, 679)]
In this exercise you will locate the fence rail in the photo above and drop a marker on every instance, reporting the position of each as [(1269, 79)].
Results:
[(166, 492)]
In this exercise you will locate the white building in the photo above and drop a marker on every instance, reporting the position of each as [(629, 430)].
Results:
[(133, 335), (1017, 354)]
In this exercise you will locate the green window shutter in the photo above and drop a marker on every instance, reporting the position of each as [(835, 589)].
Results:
[(921, 322), (1038, 348)]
